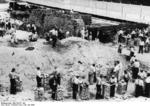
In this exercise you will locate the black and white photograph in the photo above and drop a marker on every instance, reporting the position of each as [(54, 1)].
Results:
[(74, 50)]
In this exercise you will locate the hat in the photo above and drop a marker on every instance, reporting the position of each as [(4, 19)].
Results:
[(93, 64), (13, 70), (38, 68)]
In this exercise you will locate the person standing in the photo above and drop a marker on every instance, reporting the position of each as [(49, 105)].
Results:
[(39, 77), (132, 52), (2, 23), (147, 85), (120, 35), (90, 36), (86, 34), (118, 69), (8, 25), (128, 39), (54, 85), (141, 46), (139, 89), (99, 94), (113, 81), (67, 34), (84, 89), (126, 76), (92, 74), (54, 33), (28, 26), (147, 45), (33, 28), (120, 49), (82, 33), (13, 83), (75, 86), (133, 34), (135, 69)]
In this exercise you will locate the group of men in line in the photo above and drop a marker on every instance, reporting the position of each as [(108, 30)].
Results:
[(100, 81), (80, 84)]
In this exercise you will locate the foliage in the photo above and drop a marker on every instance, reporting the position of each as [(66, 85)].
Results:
[(87, 19), (47, 19), (37, 17)]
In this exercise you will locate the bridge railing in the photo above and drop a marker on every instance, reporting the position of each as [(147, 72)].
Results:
[(136, 13)]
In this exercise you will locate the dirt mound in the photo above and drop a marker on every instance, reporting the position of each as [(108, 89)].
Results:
[(72, 40), (66, 62)]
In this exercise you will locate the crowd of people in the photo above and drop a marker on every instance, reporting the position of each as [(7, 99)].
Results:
[(56, 34), (10, 26), (138, 38), (134, 38)]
